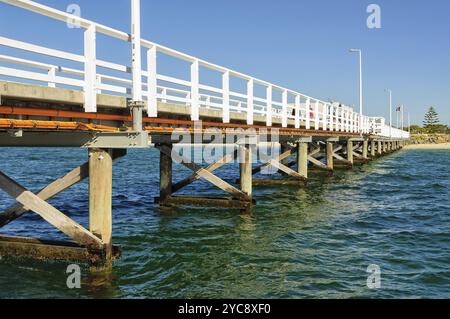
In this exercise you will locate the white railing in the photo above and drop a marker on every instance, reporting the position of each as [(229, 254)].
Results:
[(294, 109), (380, 128)]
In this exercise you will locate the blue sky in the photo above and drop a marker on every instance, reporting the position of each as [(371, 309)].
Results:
[(298, 44)]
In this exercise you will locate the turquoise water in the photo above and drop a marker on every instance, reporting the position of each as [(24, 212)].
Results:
[(297, 243)]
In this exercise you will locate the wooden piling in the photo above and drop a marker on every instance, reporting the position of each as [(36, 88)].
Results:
[(165, 173), (372, 149), (100, 197), (350, 151), (330, 153), (245, 156), (302, 159), (365, 149)]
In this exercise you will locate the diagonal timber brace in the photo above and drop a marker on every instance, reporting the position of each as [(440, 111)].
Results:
[(275, 162), (211, 168), (58, 186), (49, 213), (280, 158)]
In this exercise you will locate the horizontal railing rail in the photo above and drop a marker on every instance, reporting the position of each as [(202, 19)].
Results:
[(295, 109)]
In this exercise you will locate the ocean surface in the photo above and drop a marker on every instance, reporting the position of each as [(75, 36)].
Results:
[(297, 243)]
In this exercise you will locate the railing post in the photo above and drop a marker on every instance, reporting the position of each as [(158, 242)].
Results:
[(250, 102), (344, 121), (269, 93), (316, 115), (226, 96), (331, 119), (90, 69), (99, 83), (350, 119), (325, 116), (308, 113), (285, 109), (164, 95), (136, 58), (152, 83), (52, 77), (195, 78), (297, 111)]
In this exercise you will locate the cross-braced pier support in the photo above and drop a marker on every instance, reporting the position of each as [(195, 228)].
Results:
[(93, 245), (239, 197), (283, 165)]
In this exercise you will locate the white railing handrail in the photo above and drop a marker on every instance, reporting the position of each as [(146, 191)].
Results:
[(312, 113)]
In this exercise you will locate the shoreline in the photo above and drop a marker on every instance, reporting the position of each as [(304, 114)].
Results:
[(442, 146)]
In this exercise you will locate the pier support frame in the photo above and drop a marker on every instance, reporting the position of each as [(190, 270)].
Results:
[(282, 164), (240, 198), (93, 245)]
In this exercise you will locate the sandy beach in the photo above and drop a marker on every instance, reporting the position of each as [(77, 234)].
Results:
[(443, 146)]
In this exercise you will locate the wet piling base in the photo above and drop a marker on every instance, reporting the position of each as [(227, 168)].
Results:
[(30, 248)]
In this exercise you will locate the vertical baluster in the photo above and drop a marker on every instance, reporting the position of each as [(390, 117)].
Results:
[(350, 118), (195, 103), (226, 96), (308, 113), (297, 111), (325, 116), (250, 102), (332, 119), (90, 69), (52, 77), (99, 83), (316, 115), (285, 109), (152, 83), (269, 93)]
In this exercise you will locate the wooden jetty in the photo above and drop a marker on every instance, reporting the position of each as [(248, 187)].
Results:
[(49, 105)]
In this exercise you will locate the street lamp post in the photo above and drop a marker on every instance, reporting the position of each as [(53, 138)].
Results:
[(409, 123), (360, 85), (402, 117), (390, 111), (136, 104)]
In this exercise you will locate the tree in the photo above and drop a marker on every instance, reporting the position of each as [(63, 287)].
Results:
[(416, 129), (431, 120)]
